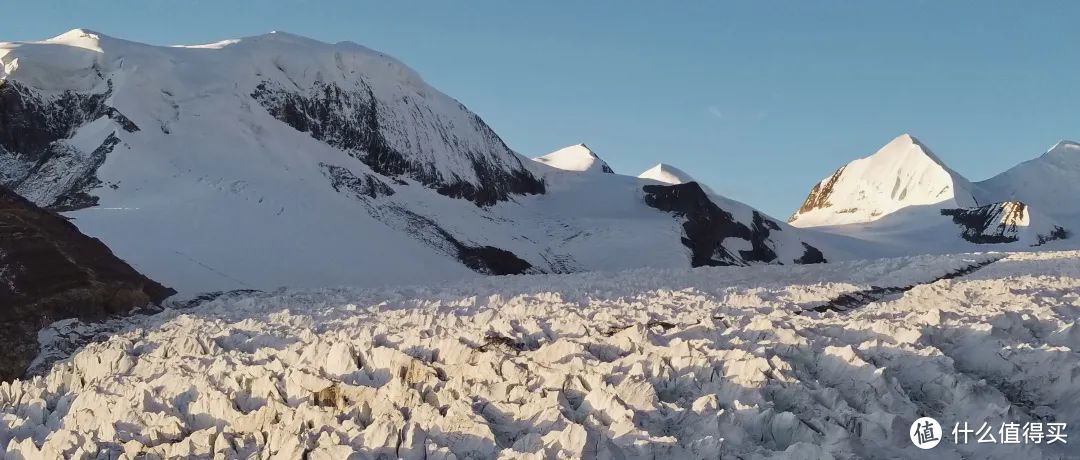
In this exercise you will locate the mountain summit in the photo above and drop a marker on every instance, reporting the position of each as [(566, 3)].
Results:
[(1043, 182), (667, 174), (904, 196), (578, 157), (901, 174)]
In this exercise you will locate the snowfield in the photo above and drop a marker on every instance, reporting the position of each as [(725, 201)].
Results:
[(648, 363), (336, 164)]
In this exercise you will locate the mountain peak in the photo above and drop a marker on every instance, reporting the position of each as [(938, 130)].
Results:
[(667, 174), (577, 157), (1042, 182), (903, 173), (80, 33), (82, 38), (906, 137), (287, 37), (906, 147), (1064, 147)]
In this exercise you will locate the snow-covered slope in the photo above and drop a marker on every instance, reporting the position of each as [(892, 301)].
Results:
[(904, 200), (902, 174), (791, 243), (575, 158), (675, 363), (667, 174), (281, 161), (1043, 183)]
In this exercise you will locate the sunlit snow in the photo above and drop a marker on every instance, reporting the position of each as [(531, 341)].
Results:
[(648, 363)]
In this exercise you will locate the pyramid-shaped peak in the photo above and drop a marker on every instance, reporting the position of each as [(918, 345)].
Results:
[(92, 40), (1065, 146), (580, 149), (907, 148), (667, 174), (81, 33), (903, 173), (80, 36), (577, 157), (908, 138)]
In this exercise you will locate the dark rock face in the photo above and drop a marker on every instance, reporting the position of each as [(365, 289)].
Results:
[(605, 168), (819, 195), (988, 224), (31, 157), (997, 223), (492, 260), (1059, 233), (488, 260), (48, 272), (341, 179), (811, 255), (350, 120), (77, 196), (707, 226)]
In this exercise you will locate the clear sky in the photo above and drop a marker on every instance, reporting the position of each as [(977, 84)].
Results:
[(759, 100)]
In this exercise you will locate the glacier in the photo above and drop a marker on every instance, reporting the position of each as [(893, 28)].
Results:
[(645, 363)]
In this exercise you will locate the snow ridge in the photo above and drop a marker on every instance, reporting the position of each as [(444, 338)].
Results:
[(1041, 182), (312, 86), (577, 157), (667, 174), (902, 174)]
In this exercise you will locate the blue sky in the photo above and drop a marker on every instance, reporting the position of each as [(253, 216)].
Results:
[(759, 100)]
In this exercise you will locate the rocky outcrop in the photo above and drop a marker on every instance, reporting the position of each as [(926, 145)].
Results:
[(707, 226), (356, 121), (50, 271), (342, 179), (819, 195), (1004, 222), (485, 259), (35, 162), (811, 255)]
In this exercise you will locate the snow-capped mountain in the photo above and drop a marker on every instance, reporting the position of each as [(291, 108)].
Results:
[(668, 174), (278, 160), (1043, 182), (904, 196), (577, 157), (902, 174), (362, 102)]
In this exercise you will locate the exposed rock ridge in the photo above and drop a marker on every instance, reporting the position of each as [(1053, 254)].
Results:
[(999, 223), (351, 120), (49, 271), (819, 195), (33, 160), (707, 225)]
